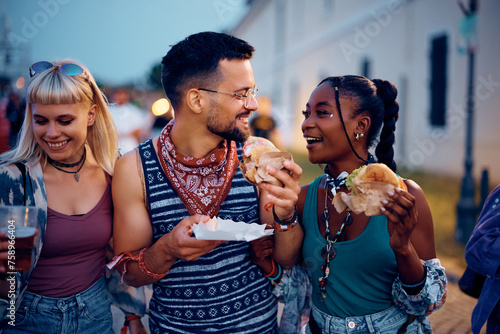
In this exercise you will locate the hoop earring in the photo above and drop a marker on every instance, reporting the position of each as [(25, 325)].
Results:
[(359, 135)]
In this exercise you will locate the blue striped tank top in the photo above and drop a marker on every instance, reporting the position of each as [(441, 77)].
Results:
[(222, 291)]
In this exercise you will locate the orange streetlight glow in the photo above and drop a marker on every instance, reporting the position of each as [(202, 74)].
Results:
[(20, 83), (161, 107)]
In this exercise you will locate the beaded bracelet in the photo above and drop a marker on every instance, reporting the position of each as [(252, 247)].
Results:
[(277, 276), (417, 284), (293, 218), (144, 269), (288, 224)]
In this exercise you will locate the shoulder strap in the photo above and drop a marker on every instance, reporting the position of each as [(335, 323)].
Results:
[(22, 168)]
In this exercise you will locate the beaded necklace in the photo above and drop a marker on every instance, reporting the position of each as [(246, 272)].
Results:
[(329, 252)]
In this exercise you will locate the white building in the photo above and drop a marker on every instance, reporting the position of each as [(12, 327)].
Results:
[(414, 44)]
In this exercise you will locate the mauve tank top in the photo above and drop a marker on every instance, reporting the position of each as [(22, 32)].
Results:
[(74, 249)]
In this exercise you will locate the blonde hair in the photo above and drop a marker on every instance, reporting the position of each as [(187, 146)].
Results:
[(54, 87)]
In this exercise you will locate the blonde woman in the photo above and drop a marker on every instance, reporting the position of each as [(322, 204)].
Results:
[(63, 165)]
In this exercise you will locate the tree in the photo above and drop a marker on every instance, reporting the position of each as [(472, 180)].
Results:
[(154, 77)]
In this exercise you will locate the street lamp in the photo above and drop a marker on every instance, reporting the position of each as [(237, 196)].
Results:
[(466, 207)]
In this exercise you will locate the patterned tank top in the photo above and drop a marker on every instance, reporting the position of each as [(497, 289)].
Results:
[(222, 291)]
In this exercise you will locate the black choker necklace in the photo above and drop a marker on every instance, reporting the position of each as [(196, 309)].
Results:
[(329, 252), (57, 165)]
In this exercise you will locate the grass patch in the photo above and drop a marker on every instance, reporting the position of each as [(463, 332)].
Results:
[(442, 193)]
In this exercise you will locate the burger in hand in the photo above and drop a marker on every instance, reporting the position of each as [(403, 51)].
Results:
[(369, 185), (257, 154)]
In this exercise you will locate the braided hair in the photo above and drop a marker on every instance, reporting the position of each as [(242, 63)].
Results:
[(376, 98)]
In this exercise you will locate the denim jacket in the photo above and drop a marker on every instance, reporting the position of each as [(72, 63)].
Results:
[(12, 192), (130, 300), (482, 254)]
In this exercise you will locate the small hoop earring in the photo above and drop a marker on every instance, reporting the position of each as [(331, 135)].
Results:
[(359, 135)]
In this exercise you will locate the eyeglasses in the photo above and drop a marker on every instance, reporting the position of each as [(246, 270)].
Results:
[(250, 93), (68, 68)]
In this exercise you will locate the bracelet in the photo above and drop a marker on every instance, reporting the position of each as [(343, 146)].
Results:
[(288, 224), (123, 258), (417, 284), (277, 276), (280, 227), (272, 270), (128, 319), (293, 218), (144, 269)]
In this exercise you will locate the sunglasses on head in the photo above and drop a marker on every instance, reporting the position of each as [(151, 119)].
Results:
[(67, 69)]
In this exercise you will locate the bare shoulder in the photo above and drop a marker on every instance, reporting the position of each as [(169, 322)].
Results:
[(423, 234), (126, 160), (126, 169), (415, 190)]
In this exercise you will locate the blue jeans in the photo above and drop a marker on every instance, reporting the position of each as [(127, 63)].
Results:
[(388, 321), (87, 312)]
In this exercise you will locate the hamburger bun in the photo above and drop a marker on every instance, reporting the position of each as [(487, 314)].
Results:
[(257, 154), (369, 186), (378, 172)]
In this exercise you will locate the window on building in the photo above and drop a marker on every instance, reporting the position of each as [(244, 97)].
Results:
[(438, 84)]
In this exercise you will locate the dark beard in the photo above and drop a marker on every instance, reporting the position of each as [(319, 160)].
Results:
[(235, 135), (231, 132)]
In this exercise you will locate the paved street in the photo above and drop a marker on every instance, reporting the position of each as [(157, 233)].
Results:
[(453, 318)]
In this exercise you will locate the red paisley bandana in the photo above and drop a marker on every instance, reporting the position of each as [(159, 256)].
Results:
[(202, 184)]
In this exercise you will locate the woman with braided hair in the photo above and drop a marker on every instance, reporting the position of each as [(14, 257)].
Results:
[(370, 274)]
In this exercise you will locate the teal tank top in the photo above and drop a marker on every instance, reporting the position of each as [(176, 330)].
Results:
[(361, 274)]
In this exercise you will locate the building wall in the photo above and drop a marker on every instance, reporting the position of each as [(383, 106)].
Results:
[(300, 42)]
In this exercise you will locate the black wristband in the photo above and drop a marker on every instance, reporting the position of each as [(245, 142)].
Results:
[(288, 221)]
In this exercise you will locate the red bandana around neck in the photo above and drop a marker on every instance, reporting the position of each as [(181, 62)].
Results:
[(202, 184)]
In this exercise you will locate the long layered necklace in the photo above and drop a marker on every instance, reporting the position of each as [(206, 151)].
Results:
[(59, 165), (329, 252)]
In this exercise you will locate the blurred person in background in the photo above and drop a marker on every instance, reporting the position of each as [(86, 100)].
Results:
[(263, 124), (482, 254), (131, 121), (4, 126), (15, 114)]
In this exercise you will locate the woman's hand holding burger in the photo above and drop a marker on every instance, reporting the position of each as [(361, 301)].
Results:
[(283, 197), (402, 217), (274, 172)]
